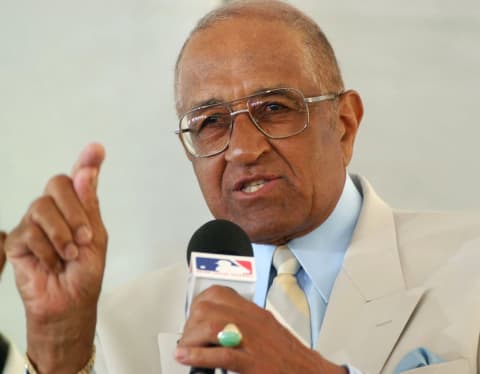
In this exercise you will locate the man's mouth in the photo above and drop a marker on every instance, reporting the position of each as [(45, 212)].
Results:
[(253, 186)]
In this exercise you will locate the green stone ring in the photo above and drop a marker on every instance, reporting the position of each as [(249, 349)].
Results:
[(230, 336)]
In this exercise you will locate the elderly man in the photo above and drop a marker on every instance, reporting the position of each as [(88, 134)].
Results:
[(269, 129)]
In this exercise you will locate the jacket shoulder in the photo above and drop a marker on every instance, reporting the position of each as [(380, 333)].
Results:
[(430, 241)]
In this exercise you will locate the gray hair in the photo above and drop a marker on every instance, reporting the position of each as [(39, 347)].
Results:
[(319, 51)]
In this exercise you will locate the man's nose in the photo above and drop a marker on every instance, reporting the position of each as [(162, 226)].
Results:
[(247, 143)]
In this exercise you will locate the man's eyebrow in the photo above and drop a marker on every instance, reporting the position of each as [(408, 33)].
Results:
[(210, 101), (268, 88), (214, 100), (274, 87)]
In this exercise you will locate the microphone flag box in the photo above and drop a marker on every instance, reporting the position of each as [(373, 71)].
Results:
[(208, 269)]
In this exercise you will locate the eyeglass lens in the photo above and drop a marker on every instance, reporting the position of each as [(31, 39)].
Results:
[(278, 114)]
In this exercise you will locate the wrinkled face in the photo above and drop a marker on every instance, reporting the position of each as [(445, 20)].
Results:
[(274, 189)]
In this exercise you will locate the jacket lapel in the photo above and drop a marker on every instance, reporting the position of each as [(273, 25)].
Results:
[(369, 305)]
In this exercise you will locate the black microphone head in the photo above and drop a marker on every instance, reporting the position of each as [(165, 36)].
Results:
[(222, 237)]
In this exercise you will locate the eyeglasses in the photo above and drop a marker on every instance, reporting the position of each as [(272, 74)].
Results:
[(277, 113)]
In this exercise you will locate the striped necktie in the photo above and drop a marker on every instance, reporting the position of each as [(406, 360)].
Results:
[(285, 299)]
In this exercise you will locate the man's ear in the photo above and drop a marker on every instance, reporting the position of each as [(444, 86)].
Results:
[(350, 113)]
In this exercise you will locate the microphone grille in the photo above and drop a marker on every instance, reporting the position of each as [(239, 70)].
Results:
[(220, 236)]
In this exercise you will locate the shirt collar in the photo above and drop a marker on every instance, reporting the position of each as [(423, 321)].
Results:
[(321, 251)]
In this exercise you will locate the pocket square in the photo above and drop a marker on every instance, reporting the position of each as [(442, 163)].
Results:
[(416, 359)]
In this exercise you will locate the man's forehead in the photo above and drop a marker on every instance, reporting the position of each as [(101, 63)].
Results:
[(221, 83), (241, 38), (253, 61), (211, 47)]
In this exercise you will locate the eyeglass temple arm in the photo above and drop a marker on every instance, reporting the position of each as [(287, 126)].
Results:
[(317, 99)]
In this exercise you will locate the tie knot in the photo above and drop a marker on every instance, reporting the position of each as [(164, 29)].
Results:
[(284, 261)]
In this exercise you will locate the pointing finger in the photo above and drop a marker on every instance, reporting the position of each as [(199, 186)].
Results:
[(91, 156)]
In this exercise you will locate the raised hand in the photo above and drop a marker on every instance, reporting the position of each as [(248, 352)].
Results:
[(58, 255)]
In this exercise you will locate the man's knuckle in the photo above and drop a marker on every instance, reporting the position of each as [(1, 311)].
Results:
[(215, 292), (213, 327), (31, 233), (59, 238), (57, 182), (201, 308), (40, 205)]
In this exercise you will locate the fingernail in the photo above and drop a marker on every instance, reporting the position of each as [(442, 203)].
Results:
[(71, 252), (83, 235), (181, 353)]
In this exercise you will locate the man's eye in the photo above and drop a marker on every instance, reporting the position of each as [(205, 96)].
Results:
[(209, 121), (213, 123), (273, 107)]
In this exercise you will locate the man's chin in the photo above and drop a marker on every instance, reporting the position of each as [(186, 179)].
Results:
[(266, 230)]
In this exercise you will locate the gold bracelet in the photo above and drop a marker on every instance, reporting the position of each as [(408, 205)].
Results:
[(30, 369)]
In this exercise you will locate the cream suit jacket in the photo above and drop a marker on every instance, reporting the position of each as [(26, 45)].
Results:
[(408, 280)]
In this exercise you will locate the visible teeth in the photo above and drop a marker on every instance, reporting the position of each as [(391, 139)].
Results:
[(254, 186)]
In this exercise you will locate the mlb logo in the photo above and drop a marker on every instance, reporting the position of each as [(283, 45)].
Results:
[(223, 266)]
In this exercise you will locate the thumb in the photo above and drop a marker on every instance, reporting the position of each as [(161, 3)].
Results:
[(91, 156), (85, 179), (85, 182)]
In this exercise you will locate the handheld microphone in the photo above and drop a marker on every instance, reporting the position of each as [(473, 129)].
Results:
[(219, 253)]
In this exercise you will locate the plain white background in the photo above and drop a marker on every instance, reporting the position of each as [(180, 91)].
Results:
[(72, 72)]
